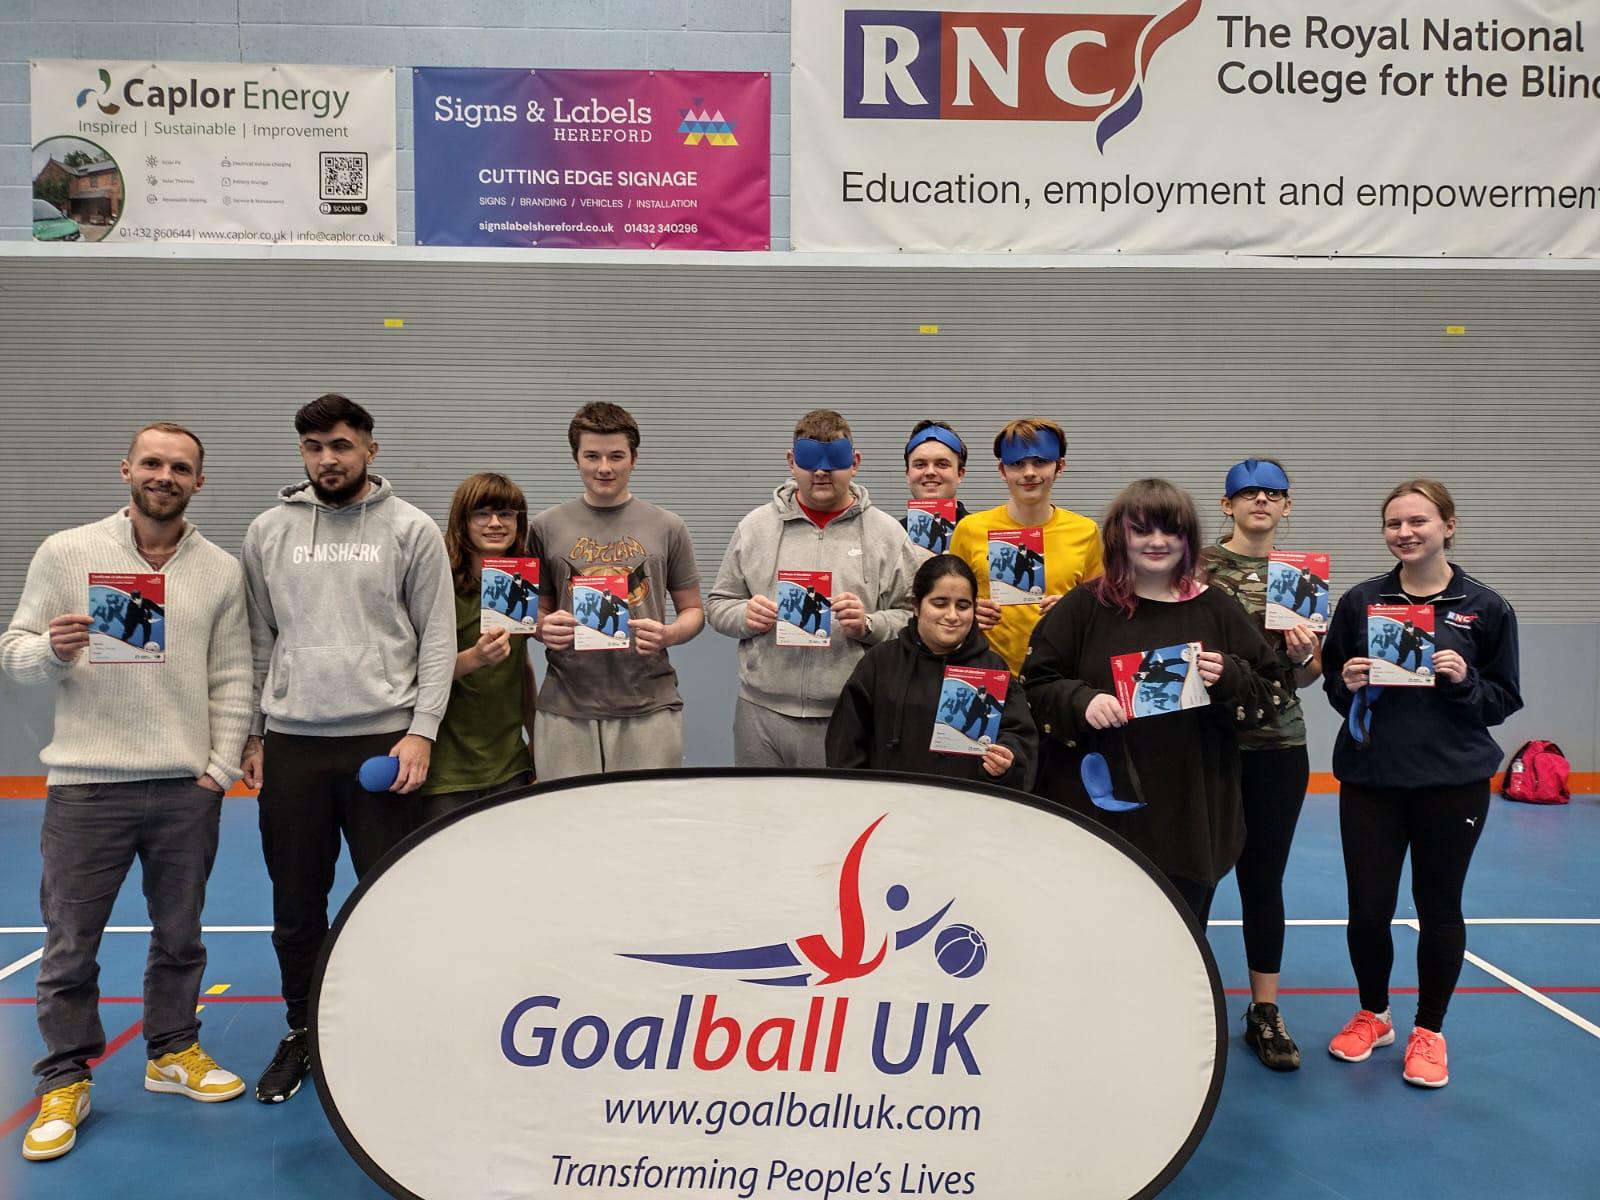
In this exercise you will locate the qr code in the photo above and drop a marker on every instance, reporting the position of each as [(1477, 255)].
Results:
[(344, 175)]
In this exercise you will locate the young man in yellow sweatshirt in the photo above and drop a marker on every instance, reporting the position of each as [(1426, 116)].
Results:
[(1032, 453)]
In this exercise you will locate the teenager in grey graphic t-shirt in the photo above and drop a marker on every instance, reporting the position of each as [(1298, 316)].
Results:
[(612, 710)]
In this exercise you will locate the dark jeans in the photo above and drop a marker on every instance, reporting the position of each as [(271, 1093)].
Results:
[(89, 839), (309, 796), (1440, 826)]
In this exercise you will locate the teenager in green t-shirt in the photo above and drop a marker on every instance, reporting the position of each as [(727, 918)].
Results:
[(1274, 767), (481, 748)]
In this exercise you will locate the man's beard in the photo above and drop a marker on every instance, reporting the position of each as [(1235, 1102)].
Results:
[(344, 495), (146, 505)]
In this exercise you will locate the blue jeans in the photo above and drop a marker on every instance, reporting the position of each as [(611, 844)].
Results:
[(90, 836)]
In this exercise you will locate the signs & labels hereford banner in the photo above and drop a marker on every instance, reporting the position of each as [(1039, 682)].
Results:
[(593, 159), (1364, 127), (791, 985), (213, 152)]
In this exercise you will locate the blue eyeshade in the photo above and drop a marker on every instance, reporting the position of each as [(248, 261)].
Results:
[(812, 455), (1096, 775), (934, 434), (1044, 445), (1252, 472)]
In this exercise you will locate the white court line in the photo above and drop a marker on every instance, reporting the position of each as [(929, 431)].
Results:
[(1516, 984), (26, 960)]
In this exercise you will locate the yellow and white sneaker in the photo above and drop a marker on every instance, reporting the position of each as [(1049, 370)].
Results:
[(55, 1130), (192, 1073)]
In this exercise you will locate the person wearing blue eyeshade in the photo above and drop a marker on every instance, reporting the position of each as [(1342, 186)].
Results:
[(1031, 455), (936, 464), (818, 519)]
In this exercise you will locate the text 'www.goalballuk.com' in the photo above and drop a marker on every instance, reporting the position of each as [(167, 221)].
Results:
[(786, 1110)]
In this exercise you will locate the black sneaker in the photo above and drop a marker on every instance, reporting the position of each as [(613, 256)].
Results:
[(1264, 1033), (288, 1068)]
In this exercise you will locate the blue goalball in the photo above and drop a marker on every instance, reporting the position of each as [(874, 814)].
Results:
[(379, 773), (960, 951)]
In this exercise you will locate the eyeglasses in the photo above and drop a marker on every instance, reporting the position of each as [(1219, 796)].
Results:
[(506, 516), (1250, 493)]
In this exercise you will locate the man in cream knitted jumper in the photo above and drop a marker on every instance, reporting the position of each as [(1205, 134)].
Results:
[(141, 755)]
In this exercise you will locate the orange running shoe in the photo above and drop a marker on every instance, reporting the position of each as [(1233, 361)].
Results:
[(1426, 1062), (1365, 1030)]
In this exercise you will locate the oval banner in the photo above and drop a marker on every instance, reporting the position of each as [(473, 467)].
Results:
[(776, 984)]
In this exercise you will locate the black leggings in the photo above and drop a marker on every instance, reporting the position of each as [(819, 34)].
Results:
[(1196, 897), (1273, 783), (1441, 827)]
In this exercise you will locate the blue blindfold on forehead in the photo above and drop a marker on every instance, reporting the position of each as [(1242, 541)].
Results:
[(1252, 472), (1043, 445), (812, 455), (934, 434)]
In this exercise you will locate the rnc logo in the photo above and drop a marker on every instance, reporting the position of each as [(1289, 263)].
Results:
[(994, 66), (110, 110)]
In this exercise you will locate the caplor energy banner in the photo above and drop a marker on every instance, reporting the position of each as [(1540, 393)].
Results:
[(212, 152), (1363, 127), (593, 159), (771, 984)]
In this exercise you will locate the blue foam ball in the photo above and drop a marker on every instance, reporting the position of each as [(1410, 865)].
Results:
[(960, 951), (379, 773)]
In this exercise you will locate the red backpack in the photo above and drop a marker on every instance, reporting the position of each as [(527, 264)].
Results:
[(1537, 774)]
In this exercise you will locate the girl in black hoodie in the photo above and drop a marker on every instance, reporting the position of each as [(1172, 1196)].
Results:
[(885, 716)]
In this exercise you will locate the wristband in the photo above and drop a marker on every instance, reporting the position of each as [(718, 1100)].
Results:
[(1306, 661)]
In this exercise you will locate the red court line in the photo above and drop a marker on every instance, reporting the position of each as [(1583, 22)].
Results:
[(24, 1115)]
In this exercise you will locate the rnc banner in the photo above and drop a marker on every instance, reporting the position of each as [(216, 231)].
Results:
[(593, 159), (775, 984), (1363, 127), (213, 152)]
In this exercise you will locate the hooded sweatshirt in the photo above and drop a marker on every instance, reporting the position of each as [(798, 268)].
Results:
[(885, 716), (352, 616), (868, 553)]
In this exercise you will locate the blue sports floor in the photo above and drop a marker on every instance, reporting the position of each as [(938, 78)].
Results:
[(1518, 1118)]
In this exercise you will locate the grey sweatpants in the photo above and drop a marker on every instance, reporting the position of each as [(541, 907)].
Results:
[(567, 746), (764, 738)]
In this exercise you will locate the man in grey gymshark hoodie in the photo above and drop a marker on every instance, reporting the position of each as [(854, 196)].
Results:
[(818, 520), (352, 630)]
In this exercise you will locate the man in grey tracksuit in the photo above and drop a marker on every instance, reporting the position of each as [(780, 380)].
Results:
[(818, 520)]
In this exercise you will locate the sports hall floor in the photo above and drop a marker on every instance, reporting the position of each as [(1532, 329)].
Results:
[(1518, 1118)]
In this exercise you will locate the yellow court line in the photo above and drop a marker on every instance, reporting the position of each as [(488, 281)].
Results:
[(216, 989)]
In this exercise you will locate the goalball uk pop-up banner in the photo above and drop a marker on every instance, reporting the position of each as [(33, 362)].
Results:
[(726, 983), (213, 152), (1363, 127), (674, 160)]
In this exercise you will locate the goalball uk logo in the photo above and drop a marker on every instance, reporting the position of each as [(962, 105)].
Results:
[(769, 1041), (1003, 66), (110, 110), (959, 949)]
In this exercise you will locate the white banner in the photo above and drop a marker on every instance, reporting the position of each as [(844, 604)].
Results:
[(724, 983), (1362, 127), (212, 152)]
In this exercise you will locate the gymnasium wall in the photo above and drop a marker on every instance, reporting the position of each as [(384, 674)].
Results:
[(1176, 367)]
